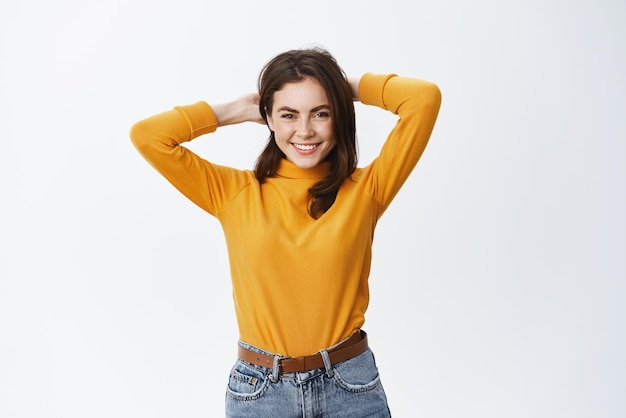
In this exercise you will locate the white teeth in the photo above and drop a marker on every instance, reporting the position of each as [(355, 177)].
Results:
[(305, 147)]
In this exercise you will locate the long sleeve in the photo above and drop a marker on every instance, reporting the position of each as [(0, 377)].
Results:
[(417, 103), (159, 138)]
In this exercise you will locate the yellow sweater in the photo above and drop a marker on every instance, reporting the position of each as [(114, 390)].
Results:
[(299, 284)]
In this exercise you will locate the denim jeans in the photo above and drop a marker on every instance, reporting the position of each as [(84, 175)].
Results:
[(350, 389)]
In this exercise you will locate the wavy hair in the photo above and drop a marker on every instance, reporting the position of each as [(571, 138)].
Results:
[(293, 66)]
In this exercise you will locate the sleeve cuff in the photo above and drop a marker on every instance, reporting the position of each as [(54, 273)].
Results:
[(200, 117), (371, 87)]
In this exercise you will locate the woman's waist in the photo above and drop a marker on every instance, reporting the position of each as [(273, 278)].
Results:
[(296, 342), (346, 349)]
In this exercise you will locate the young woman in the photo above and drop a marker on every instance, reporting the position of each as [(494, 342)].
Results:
[(299, 228)]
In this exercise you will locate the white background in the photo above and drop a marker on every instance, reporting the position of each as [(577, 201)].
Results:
[(498, 280)]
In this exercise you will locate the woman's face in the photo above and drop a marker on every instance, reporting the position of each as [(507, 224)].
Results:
[(302, 122)]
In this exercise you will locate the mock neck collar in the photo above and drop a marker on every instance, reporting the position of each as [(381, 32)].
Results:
[(289, 170)]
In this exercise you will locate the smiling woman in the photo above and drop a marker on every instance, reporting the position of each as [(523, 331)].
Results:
[(302, 123), (324, 85), (299, 228)]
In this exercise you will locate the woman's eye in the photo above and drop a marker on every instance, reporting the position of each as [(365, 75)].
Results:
[(322, 115), (287, 116)]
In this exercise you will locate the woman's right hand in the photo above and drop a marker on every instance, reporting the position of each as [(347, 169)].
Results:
[(243, 109), (353, 82)]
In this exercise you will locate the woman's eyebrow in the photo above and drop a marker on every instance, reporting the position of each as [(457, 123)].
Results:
[(320, 107), (287, 109), (292, 110)]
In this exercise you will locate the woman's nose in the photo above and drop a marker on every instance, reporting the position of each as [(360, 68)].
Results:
[(305, 130)]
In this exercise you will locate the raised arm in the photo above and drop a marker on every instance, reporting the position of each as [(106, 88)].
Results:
[(416, 102), (158, 139)]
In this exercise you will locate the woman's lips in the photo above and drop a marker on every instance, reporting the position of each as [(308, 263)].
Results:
[(305, 148)]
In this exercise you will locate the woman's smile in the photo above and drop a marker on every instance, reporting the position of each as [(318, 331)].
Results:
[(305, 148), (302, 122)]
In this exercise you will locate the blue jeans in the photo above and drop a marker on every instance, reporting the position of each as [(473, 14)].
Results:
[(350, 389)]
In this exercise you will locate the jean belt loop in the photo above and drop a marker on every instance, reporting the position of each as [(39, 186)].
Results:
[(276, 369), (327, 364)]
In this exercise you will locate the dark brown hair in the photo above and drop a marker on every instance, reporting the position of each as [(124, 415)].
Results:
[(293, 66)]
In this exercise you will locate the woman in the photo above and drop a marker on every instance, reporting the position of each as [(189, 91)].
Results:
[(299, 228)]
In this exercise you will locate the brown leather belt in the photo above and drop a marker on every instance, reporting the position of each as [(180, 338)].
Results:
[(346, 350)]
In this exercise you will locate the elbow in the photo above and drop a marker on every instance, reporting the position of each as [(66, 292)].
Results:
[(430, 100), (140, 135), (424, 95), (432, 95)]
